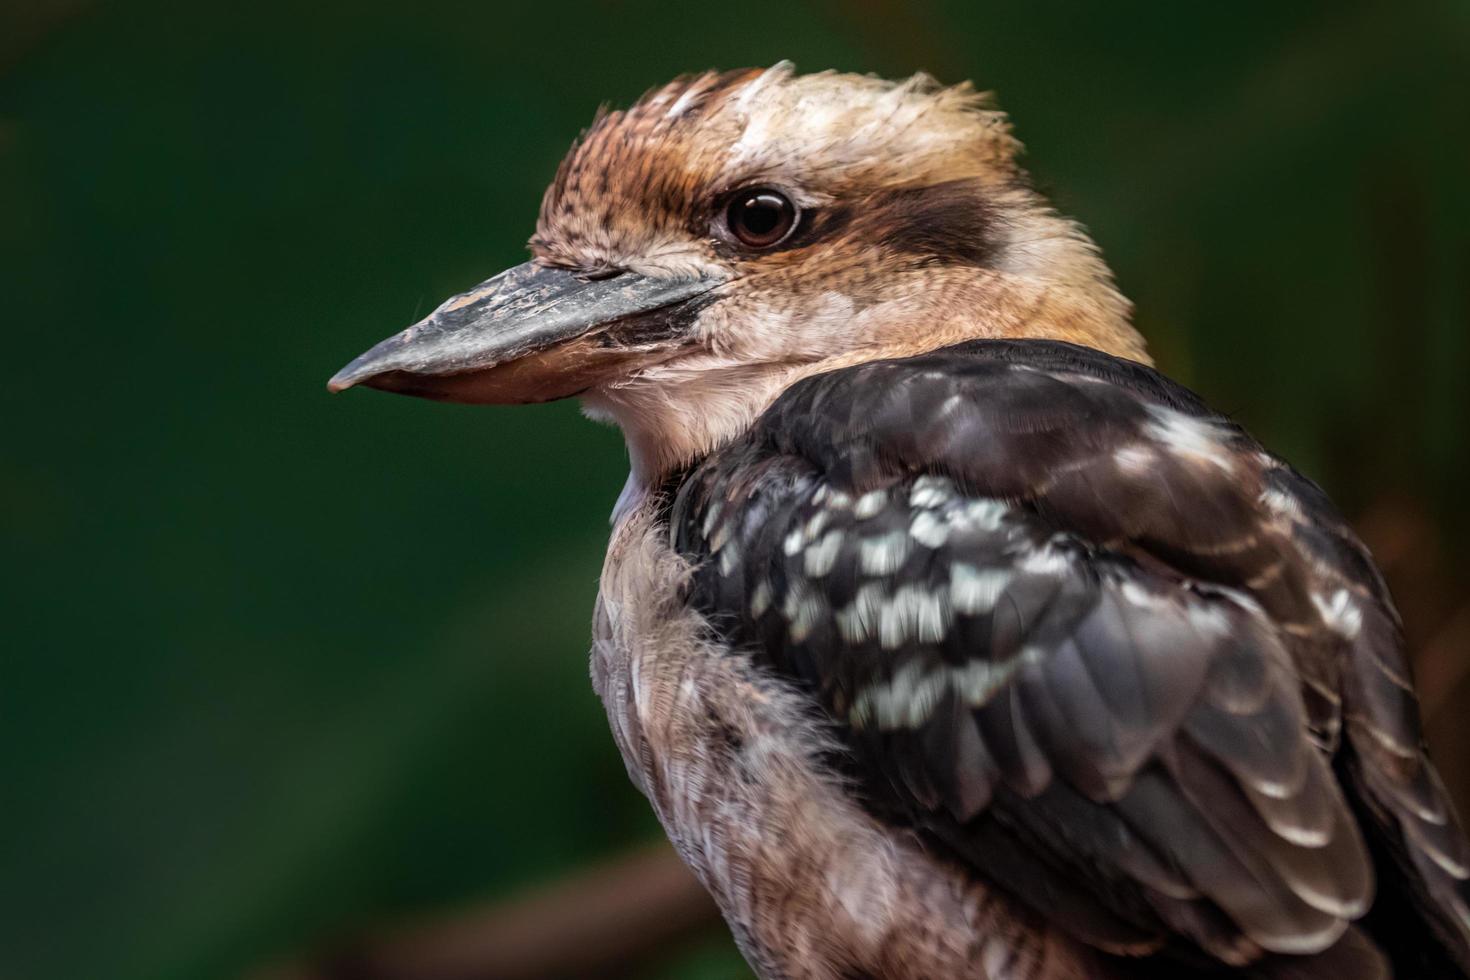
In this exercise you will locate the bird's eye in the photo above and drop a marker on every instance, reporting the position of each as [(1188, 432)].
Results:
[(760, 217)]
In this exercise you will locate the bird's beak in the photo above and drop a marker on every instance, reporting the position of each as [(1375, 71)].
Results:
[(532, 334)]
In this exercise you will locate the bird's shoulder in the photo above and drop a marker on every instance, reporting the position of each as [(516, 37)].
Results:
[(1084, 634)]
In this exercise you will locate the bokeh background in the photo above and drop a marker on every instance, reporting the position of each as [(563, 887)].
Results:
[(282, 669)]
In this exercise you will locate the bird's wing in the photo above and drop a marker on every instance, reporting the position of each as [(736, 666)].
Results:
[(1087, 637)]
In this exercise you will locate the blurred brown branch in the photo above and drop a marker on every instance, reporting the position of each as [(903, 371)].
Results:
[(598, 923)]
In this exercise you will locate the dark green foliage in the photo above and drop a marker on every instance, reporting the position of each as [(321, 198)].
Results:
[(277, 665)]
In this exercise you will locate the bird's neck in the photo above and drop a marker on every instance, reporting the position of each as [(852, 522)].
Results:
[(679, 420), (685, 408)]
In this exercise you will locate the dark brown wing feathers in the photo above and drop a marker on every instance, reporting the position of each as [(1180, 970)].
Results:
[(1092, 640)]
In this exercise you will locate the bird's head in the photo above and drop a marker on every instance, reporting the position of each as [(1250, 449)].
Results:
[(733, 232)]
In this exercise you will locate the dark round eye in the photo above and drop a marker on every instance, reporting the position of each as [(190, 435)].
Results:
[(760, 217)]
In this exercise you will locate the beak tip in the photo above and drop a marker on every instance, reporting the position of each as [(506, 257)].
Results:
[(362, 368), (340, 382)]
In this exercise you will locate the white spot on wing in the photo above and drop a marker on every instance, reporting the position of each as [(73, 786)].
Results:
[(1139, 596), (912, 613), (931, 491), (1339, 612), (1281, 504), (979, 680), (803, 610), (760, 599), (819, 557), (905, 701), (721, 536), (1045, 560), (710, 516), (728, 558), (870, 504), (929, 530), (986, 513), (975, 591), (1134, 460), (858, 621), (884, 555), (1209, 618), (997, 959), (908, 698), (1189, 437)]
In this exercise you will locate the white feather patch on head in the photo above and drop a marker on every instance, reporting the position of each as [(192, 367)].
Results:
[(830, 121)]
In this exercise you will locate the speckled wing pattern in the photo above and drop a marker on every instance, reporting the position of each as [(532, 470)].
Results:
[(1087, 638)]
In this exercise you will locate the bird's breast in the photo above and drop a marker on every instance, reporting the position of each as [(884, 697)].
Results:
[(731, 759)]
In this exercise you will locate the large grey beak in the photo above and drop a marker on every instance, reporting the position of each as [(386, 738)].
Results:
[(530, 334)]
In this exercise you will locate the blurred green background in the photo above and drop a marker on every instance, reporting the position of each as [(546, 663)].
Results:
[(279, 666)]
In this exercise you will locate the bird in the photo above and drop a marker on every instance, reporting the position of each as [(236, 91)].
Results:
[(945, 635)]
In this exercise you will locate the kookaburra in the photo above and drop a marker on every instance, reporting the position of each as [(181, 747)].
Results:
[(947, 638)]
